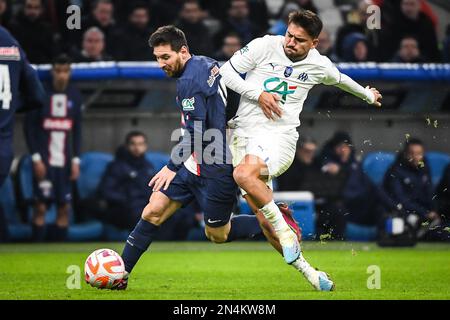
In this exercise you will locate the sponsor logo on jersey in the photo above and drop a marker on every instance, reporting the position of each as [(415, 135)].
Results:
[(188, 104), (244, 50), (9, 53), (303, 76), (57, 124), (215, 71), (276, 85)]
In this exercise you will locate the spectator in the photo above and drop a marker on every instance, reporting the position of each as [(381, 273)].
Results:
[(305, 5), (443, 196), (325, 46), (408, 184), (238, 21), (191, 21), (134, 36), (302, 167), (231, 44), (355, 48), (280, 26), (5, 13), (357, 23), (33, 33), (358, 199), (408, 52), (413, 22), (102, 17), (93, 47), (446, 46), (124, 185), (53, 136)]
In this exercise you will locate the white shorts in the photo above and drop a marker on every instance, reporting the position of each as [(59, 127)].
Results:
[(276, 150)]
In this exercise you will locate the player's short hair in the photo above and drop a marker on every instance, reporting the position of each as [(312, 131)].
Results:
[(130, 135), (168, 35), (308, 20), (61, 59)]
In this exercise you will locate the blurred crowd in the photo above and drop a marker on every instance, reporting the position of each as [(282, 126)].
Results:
[(344, 192), (119, 30)]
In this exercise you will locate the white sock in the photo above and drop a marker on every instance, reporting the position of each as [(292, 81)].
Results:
[(273, 214), (302, 265)]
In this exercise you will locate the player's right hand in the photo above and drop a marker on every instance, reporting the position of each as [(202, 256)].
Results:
[(268, 102), (40, 170), (162, 179)]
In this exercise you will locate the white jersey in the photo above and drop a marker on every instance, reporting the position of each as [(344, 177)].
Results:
[(268, 69)]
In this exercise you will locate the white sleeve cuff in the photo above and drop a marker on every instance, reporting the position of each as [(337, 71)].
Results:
[(76, 160)]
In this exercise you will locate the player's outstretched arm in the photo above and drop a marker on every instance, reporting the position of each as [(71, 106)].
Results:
[(368, 94)]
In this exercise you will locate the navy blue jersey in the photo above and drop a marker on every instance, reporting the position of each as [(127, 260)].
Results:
[(202, 100), (19, 83), (55, 130)]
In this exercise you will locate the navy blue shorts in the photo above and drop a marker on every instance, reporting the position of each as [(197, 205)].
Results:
[(6, 157), (55, 188), (216, 197)]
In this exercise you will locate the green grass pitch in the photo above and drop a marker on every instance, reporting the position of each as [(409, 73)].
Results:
[(246, 270)]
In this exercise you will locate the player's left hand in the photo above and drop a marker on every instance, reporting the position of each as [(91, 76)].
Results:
[(162, 179), (378, 96), (75, 171)]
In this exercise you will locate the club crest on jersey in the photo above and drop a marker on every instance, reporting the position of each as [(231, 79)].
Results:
[(303, 76), (276, 85), (213, 76), (188, 104), (288, 72)]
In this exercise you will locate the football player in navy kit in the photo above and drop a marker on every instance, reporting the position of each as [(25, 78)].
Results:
[(54, 138)]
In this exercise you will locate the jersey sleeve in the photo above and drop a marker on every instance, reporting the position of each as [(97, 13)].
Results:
[(331, 74), (192, 99), (30, 86)]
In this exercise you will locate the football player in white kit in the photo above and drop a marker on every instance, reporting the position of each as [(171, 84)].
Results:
[(280, 70)]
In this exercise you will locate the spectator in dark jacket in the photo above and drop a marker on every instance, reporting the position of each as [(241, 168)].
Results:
[(34, 33), (191, 21), (411, 21), (358, 196), (5, 13), (355, 48), (301, 168), (133, 38), (231, 44), (443, 196), (409, 51), (125, 183), (408, 184)]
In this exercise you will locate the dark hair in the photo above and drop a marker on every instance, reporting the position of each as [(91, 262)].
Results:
[(62, 59), (97, 2), (411, 141), (130, 135), (139, 5), (168, 35), (304, 140), (308, 20)]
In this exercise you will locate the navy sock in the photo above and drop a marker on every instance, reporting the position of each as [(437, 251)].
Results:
[(138, 242), (38, 233), (244, 226)]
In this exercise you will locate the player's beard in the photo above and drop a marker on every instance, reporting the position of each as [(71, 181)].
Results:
[(176, 71)]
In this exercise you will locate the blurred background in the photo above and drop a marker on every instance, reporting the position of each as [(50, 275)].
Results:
[(353, 147)]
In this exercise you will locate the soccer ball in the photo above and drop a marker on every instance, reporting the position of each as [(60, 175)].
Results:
[(104, 268)]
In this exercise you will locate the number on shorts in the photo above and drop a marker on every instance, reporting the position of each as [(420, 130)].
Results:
[(5, 87)]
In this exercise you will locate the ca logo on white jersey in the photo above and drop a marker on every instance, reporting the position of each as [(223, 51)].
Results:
[(188, 104)]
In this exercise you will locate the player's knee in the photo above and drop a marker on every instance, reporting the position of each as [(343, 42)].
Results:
[(216, 237), (243, 175), (153, 214)]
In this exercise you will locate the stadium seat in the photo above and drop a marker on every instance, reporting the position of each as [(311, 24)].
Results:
[(375, 165), (356, 232), (17, 231), (92, 168), (437, 161), (112, 233), (157, 159)]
